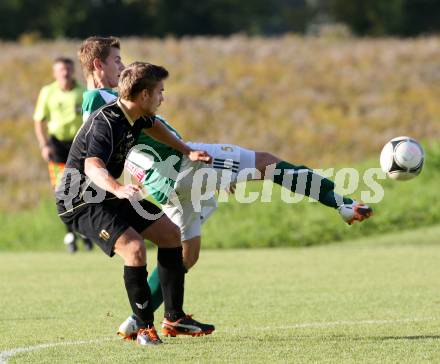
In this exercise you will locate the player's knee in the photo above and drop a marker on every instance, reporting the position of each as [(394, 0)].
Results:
[(131, 247), (137, 253), (170, 237), (264, 159), (189, 260)]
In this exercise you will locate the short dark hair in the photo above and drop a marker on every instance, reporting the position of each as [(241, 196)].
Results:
[(95, 47), (140, 76), (65, 60)]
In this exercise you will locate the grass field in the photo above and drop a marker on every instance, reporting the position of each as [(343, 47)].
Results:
[(405, 206), (372, 300)]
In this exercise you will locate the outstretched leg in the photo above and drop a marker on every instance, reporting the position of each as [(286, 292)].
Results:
[(306, 181)]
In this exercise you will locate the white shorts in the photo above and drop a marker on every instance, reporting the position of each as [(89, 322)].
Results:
[(194, 199)]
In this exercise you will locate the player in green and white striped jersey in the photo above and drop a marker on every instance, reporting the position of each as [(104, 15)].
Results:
[(94, 99)]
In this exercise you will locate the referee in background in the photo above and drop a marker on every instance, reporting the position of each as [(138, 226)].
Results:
[(57, 118)]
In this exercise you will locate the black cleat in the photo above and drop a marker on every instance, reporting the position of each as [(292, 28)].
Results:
[(186, 326), (88, 245)]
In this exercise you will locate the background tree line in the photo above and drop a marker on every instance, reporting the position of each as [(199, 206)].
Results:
[(80, 18)]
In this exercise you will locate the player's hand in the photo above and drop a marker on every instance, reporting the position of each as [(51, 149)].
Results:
[(45, 153), (126, 191), (199, 155)]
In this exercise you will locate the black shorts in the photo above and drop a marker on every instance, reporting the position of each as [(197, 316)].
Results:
[(59, 150), (105, 222)]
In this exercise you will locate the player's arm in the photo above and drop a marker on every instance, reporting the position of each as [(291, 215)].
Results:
[(96, 170), (99, 148), (40, 127), (161, 133), (41, 115)]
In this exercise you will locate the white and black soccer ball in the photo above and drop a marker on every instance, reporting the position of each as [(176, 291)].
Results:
[(402, 158)]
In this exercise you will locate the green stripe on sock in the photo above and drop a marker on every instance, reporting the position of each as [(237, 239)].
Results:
[(156, 290), (327, 196)]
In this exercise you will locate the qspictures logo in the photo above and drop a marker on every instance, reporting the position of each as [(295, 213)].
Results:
[(175, 180)]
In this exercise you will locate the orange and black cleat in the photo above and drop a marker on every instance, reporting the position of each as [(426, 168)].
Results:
[(355, 212), (148, 336), (186, 326)]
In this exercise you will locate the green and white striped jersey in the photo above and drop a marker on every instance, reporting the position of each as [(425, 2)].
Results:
[(94, 99)]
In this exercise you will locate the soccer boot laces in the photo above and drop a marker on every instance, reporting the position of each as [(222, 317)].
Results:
[(148, 336)]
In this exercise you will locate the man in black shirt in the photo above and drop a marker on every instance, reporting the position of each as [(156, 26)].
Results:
[(95, 204)]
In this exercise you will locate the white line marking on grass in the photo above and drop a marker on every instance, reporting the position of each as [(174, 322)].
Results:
[(336, 323), (5, 355)]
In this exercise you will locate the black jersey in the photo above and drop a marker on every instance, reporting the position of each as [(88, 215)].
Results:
[(108, 135)]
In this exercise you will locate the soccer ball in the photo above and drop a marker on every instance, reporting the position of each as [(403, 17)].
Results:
[(402, 158)]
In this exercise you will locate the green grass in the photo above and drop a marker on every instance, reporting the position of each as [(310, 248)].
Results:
[(406, 205), (374, 300), (32, 229)]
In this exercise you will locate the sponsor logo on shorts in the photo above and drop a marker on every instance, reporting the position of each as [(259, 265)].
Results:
[(135, 171), (104, 235)]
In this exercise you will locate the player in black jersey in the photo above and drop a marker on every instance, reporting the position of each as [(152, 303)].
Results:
[(95, 204)]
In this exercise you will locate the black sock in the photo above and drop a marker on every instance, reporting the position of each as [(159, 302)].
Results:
[(139, 293), (172, 279)]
